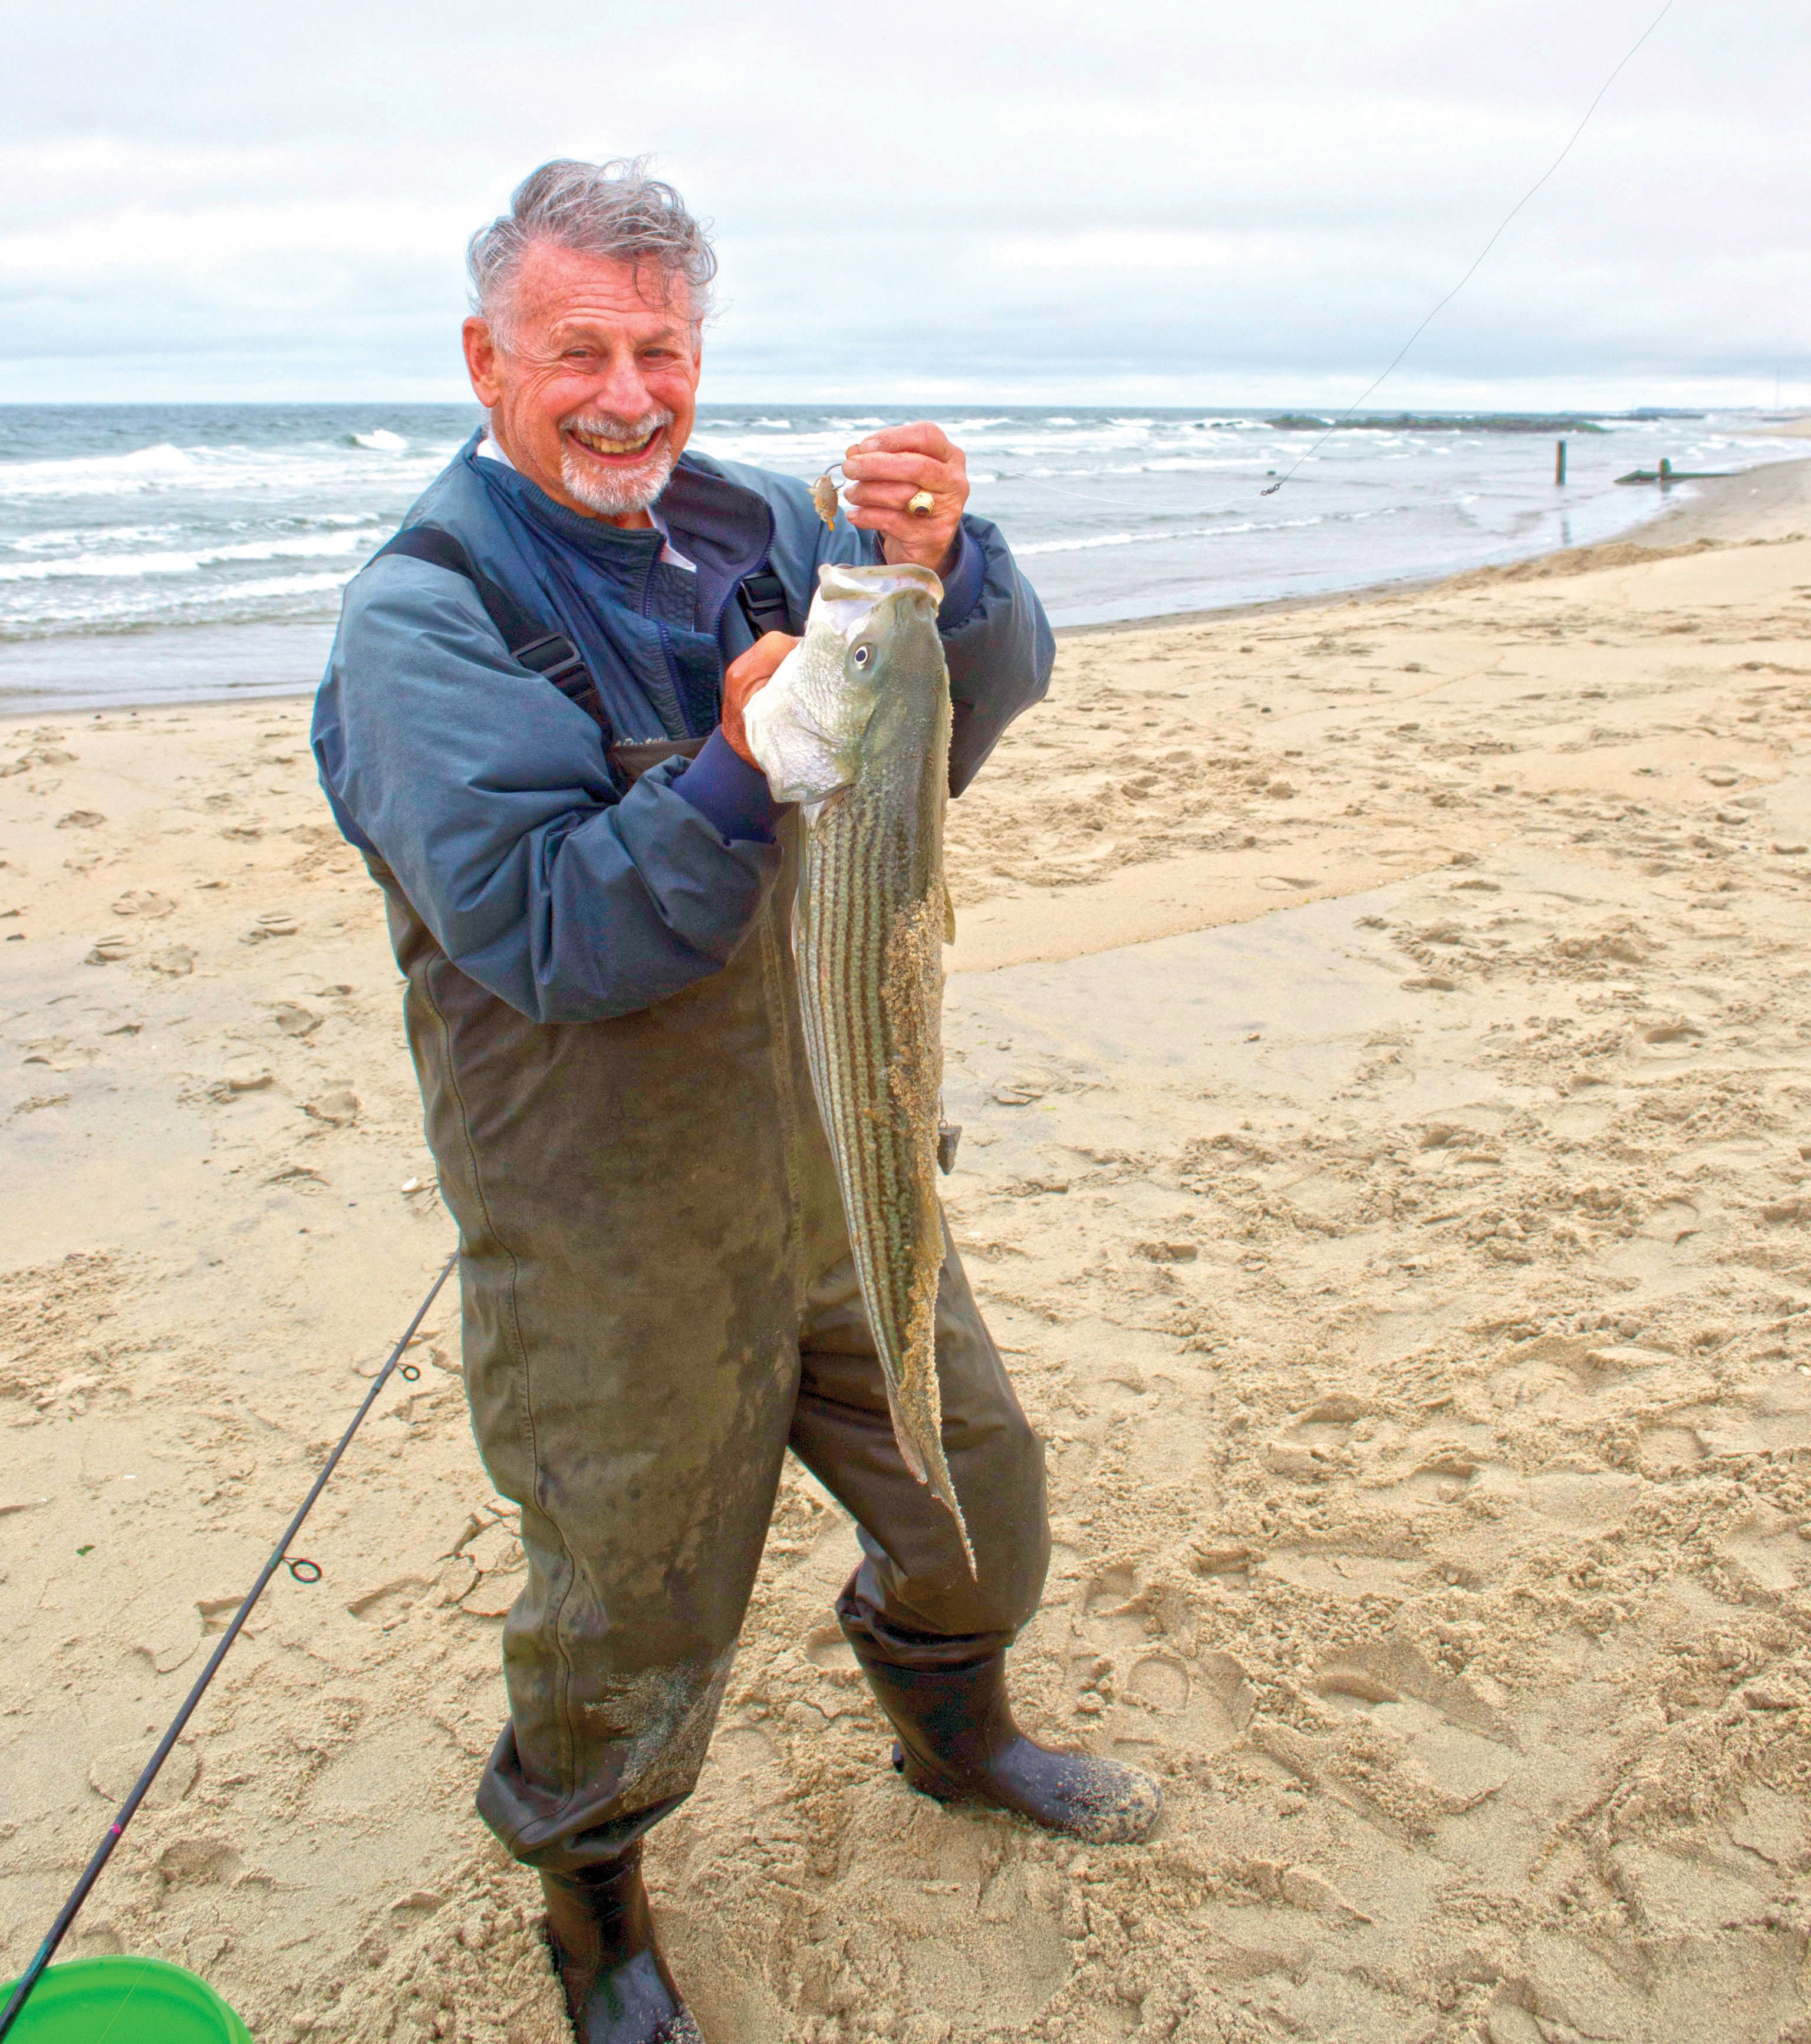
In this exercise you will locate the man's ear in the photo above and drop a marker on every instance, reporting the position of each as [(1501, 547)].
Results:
[(481, 364)]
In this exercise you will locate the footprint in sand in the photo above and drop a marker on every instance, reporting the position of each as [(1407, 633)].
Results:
[(338, 1108), (1162, 1682), (1670, 1039), (113, 1771), (197, 1862), (40, 755), (142, 901)]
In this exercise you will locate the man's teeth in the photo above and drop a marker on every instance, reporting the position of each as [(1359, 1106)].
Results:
[(602, 443)]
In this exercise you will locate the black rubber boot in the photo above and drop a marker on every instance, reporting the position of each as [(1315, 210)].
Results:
[(618, 1990), (958, 1744)]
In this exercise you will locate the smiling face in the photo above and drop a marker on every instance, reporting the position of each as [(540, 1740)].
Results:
[(590, 379)]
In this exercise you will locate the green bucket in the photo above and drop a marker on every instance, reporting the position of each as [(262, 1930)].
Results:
[(123, 2001)]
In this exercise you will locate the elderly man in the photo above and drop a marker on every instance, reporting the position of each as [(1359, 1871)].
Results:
[(531, 728)]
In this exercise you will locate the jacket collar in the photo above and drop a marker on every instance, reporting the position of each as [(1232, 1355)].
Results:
[(724, 528)]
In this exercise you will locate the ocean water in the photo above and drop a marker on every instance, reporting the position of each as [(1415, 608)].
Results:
[(155, 554)]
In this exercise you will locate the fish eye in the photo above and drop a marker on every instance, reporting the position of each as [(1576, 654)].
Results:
[(862, 655)]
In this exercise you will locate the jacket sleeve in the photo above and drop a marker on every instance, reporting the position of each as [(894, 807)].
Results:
[(488, 795), (1000, 653)]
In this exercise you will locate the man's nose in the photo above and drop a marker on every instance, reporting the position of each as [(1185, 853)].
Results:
[(622, 389)]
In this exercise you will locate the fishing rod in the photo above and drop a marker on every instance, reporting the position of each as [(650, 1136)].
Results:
[(302, 1570), (1501, 229)]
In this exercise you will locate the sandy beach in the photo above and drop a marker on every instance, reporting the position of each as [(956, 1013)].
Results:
[(1382, 1032)]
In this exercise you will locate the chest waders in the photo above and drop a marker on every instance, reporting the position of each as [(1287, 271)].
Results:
[(658, 1301)]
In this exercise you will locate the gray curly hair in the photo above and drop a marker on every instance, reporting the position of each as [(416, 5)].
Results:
[(613, 210)]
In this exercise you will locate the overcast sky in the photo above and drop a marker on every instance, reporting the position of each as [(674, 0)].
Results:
[(1166, 201)]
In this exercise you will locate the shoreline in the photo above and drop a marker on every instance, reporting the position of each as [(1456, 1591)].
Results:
[(1719, 510)]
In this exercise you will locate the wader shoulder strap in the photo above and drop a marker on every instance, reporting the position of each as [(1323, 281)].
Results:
[(551, 654), (763, 601), (554, 657)]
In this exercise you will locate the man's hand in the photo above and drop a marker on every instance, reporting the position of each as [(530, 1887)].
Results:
[(745, 676), (887, 470)]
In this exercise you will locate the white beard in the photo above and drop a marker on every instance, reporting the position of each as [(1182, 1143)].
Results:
[(617, 492)]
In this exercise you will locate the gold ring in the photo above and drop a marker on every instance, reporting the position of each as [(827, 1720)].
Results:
[(920, 504)]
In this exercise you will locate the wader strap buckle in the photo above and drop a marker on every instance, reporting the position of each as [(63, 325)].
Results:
[(763, 600), (554, 658)]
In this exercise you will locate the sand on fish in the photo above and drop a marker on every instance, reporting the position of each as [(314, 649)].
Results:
[(1382, 1032)]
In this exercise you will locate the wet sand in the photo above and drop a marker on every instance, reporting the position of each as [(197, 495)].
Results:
[(1380, 1030)]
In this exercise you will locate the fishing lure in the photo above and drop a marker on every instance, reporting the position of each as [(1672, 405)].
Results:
[(824, 493)]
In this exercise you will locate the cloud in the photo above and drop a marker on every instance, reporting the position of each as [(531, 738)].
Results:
[(997, 197)]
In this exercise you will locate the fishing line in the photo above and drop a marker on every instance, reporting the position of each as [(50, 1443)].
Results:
[(303, 1571), (1485, 250)]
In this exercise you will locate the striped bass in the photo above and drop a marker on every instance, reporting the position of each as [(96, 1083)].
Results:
[(855, 724)]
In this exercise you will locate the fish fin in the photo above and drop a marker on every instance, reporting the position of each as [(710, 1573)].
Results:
[(930, 1466), (946, 1491), (812, 810), (903, 1437)]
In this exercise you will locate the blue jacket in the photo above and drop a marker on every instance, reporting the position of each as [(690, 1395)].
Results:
[(488, 794)]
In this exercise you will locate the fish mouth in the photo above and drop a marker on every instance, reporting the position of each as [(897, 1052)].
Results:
[(848, 596)]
